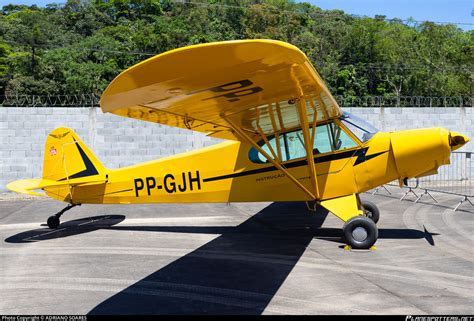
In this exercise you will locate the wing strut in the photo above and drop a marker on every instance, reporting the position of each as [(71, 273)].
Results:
[(308, 142), (244, 135)]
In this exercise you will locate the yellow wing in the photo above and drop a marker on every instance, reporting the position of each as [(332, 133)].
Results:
[(255, 83)]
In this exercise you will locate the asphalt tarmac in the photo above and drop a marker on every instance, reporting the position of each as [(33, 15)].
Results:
[(253, 258)]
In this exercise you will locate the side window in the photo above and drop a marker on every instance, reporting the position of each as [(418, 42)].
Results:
[(295, 145), (322, 141), (256, 157), (341, 139), (329, 137)]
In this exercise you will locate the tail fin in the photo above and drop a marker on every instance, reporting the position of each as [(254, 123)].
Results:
[(66, 157)]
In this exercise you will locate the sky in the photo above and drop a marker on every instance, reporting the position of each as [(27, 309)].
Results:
[(433, 10)]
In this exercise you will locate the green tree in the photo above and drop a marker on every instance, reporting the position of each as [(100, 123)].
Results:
[(5, 52), (81, 46)]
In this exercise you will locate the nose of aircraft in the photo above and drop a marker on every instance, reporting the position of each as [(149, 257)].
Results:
[(420, 152)]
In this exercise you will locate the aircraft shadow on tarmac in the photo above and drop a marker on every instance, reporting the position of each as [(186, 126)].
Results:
[(69, 228), (239, 272)]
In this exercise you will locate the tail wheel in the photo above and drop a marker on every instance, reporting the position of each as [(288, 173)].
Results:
[(371, 211), (53, 222), (360, 232)]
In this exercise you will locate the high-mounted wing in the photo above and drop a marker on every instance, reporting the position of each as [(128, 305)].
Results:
[(255, 84)]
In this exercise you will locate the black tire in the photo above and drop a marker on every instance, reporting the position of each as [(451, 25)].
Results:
[(371, 211), (360, 232), (53, 222)]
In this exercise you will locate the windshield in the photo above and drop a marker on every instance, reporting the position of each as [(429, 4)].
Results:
[(359, 127)]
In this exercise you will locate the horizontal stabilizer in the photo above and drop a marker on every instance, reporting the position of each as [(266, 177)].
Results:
[(28, 186)]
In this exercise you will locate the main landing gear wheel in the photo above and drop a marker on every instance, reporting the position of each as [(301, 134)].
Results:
[(53, 222), (371, 211), (360, 232)]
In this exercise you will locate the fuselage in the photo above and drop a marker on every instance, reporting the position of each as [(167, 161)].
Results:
[(233, 171)]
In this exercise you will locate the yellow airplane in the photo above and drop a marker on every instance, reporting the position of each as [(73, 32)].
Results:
[(287, 139)]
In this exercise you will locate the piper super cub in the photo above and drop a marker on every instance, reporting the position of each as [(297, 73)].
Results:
[(286, 139)]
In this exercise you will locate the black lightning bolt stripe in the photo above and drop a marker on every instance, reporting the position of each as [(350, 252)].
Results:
[(360, 153), (90, 168), (367, 157)]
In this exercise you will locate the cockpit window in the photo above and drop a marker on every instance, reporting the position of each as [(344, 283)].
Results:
[(329, 137), (341, 139), (359, 127)]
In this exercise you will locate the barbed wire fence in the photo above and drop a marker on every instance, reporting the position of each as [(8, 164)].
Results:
[(92, 100), (83, 100), (404, 101)]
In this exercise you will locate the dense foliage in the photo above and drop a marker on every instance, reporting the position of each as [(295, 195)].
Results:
[(80, 46)]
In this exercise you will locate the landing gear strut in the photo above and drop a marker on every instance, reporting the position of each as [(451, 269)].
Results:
[(53, 221)]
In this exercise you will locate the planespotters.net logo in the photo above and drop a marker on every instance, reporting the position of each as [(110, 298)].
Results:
[(439, 318)]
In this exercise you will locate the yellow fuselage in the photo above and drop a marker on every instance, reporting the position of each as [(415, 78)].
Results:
[(224, 172)]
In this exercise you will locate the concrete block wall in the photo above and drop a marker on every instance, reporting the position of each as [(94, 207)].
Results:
[(119, 141), (116, 141)]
